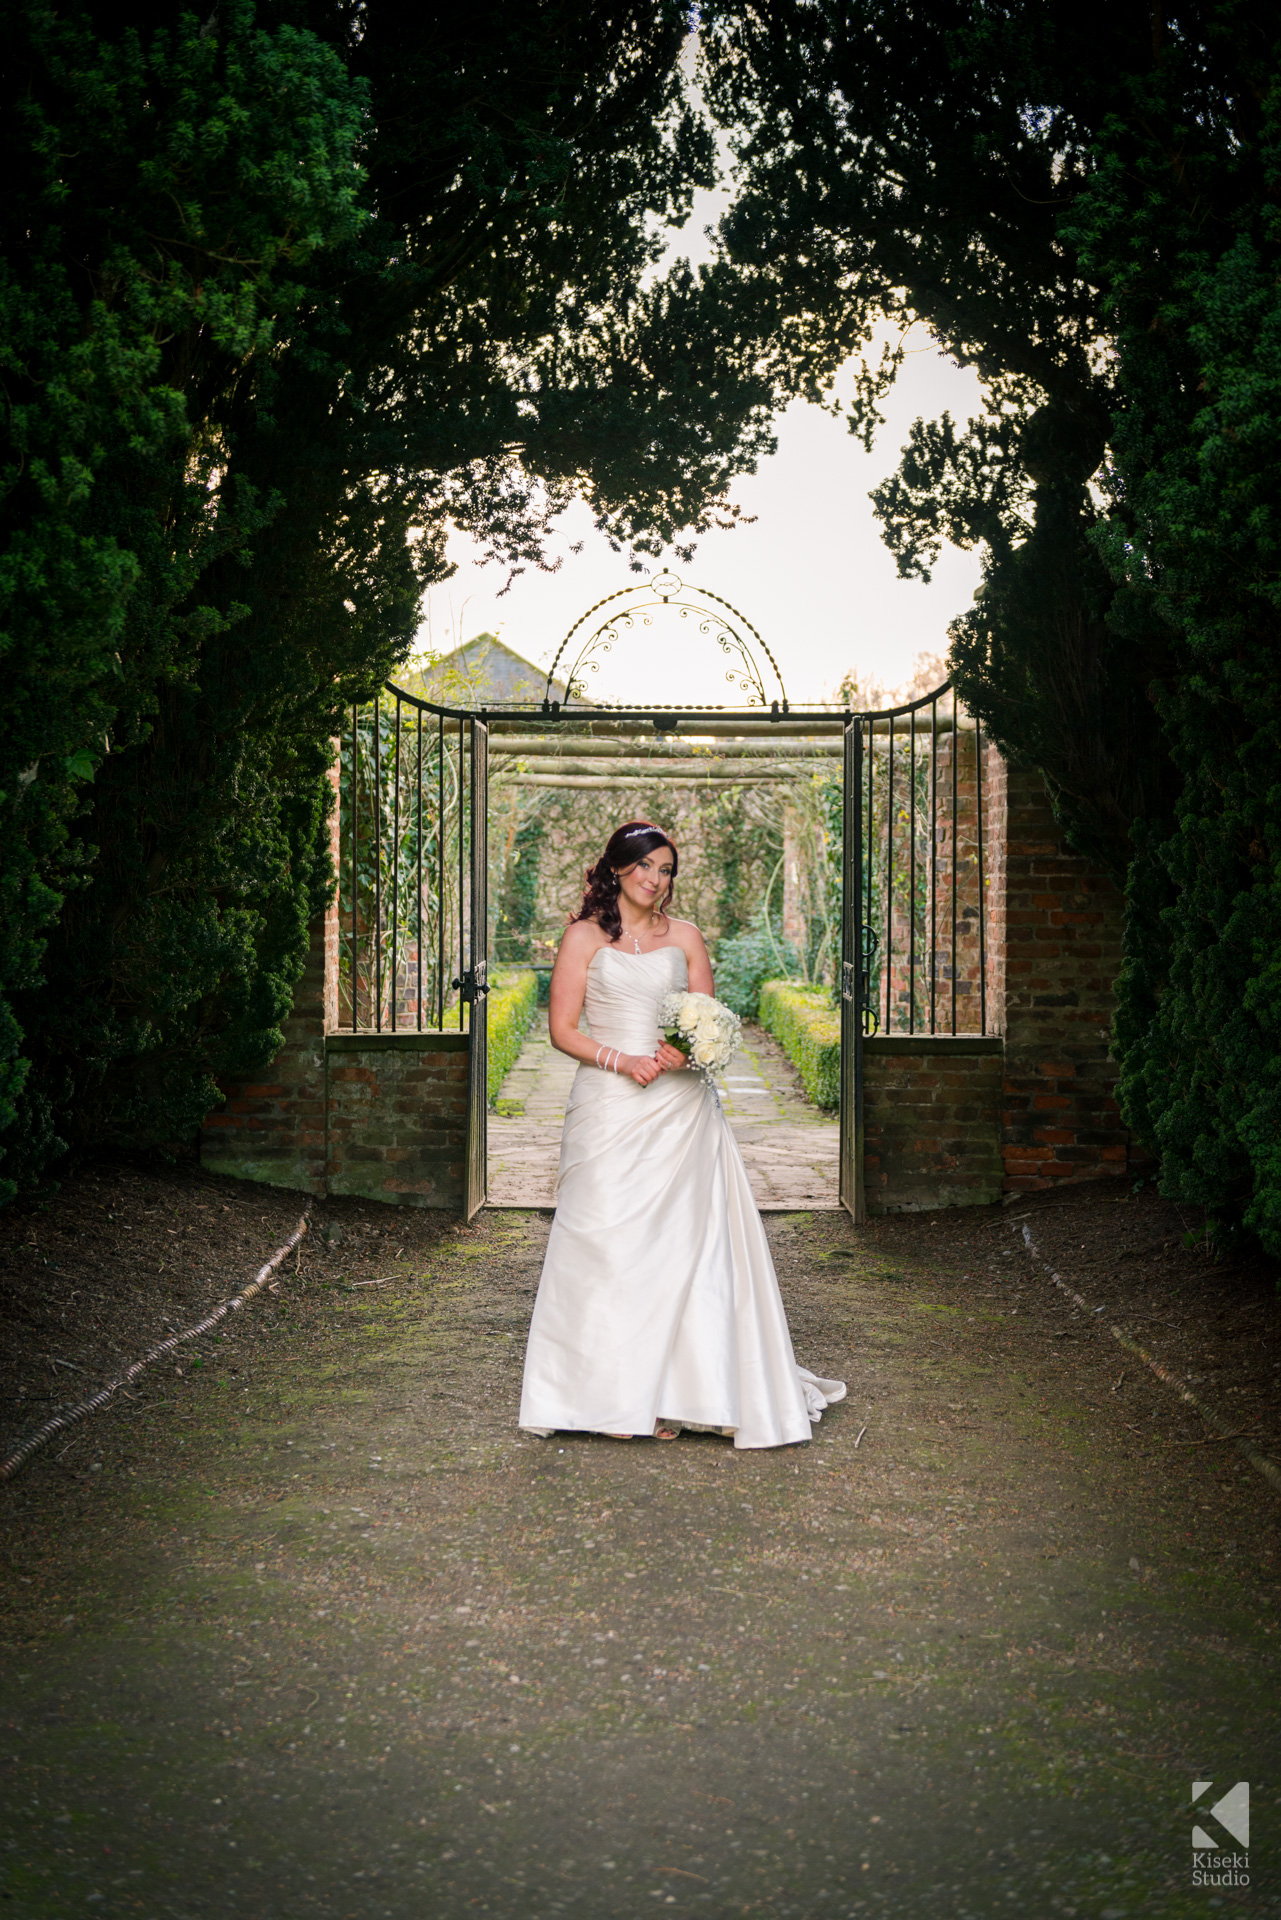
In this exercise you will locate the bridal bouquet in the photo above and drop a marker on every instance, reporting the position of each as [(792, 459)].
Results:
[(703, 1029)]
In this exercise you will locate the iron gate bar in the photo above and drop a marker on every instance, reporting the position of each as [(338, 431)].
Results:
[(850, 1185), (911, 882), (395, 870), (889, 886), (956, 859), (418, 836), (871, 817), (440, 871), (474, 981), (461, 948), (978, 801), (355, 856), (748, 722), (378, 870), (934, 858)]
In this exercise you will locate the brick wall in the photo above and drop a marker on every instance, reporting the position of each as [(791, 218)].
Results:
[(272, 1128), (932, 1122), (397, 1116), (1062, 953)]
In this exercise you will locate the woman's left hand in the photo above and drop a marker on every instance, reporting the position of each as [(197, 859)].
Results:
[(670, 1058)]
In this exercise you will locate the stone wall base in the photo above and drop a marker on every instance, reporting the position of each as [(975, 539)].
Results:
[(932, 1116), (396, 1113), (382, 1116)]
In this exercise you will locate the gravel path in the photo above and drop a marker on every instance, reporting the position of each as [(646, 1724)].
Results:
[(312, 1631)]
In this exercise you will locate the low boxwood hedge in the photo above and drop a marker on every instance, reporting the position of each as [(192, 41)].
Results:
[(513, 1004), (808, 1028)]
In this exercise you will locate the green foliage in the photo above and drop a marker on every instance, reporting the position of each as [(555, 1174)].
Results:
[(745, 961), (512, 1006), (739, 829), (1195, 549), (803, 1022), (817, 806), (1081, 203), (280, 301), (162, 202), (740, 842), (518, 897)]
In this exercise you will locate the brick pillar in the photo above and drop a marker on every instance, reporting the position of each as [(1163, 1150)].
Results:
[(1062, 954)]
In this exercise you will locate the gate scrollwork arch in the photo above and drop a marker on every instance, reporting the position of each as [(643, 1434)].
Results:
[(634, 608)]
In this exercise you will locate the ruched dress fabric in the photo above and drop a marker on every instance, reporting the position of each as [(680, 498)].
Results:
[(658, 1300)]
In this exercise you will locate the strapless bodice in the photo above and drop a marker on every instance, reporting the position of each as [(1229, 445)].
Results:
[(624, 991)]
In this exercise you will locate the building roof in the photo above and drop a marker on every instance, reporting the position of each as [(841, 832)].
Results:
[(484, 671)]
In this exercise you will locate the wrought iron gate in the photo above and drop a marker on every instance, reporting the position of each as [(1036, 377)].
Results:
[(916, 906), (853, 980), (413, 879), (473, 982), (413, 863)]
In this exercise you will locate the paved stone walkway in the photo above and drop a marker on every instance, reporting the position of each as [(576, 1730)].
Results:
[(789, 1147)]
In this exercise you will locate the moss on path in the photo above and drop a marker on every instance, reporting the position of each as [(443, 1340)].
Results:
[(328, 1637)]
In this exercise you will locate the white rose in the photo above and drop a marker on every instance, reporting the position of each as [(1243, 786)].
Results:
[(705, 1054)]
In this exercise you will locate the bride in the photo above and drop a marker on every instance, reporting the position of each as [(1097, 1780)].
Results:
[(658, 1306)]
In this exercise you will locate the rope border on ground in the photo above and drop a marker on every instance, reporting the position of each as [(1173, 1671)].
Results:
[(1261, 1464), (69, 1416)]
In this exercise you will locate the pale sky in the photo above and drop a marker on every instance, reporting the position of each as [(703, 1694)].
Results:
[(811, 573)]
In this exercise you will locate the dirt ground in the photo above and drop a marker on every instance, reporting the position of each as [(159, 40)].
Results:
[(306, 1627)]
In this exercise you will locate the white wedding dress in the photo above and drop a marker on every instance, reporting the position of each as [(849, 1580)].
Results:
[(658, 1299)]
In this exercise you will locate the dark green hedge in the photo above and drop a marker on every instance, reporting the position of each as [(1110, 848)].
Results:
[(513, 1008), (807, 1027), (283, 295)]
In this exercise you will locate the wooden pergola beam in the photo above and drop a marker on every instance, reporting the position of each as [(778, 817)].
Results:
[(575, 746), (621, 780)]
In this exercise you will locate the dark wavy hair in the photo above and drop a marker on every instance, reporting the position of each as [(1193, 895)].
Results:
[(623, 849)]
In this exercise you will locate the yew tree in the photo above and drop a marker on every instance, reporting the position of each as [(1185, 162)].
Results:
[(286, 290), (1082, 203)]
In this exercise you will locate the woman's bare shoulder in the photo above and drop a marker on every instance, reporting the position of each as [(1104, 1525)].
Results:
[(686, 934), (581, 939)]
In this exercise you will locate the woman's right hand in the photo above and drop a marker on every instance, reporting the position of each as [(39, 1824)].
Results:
[(640, 1067)]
